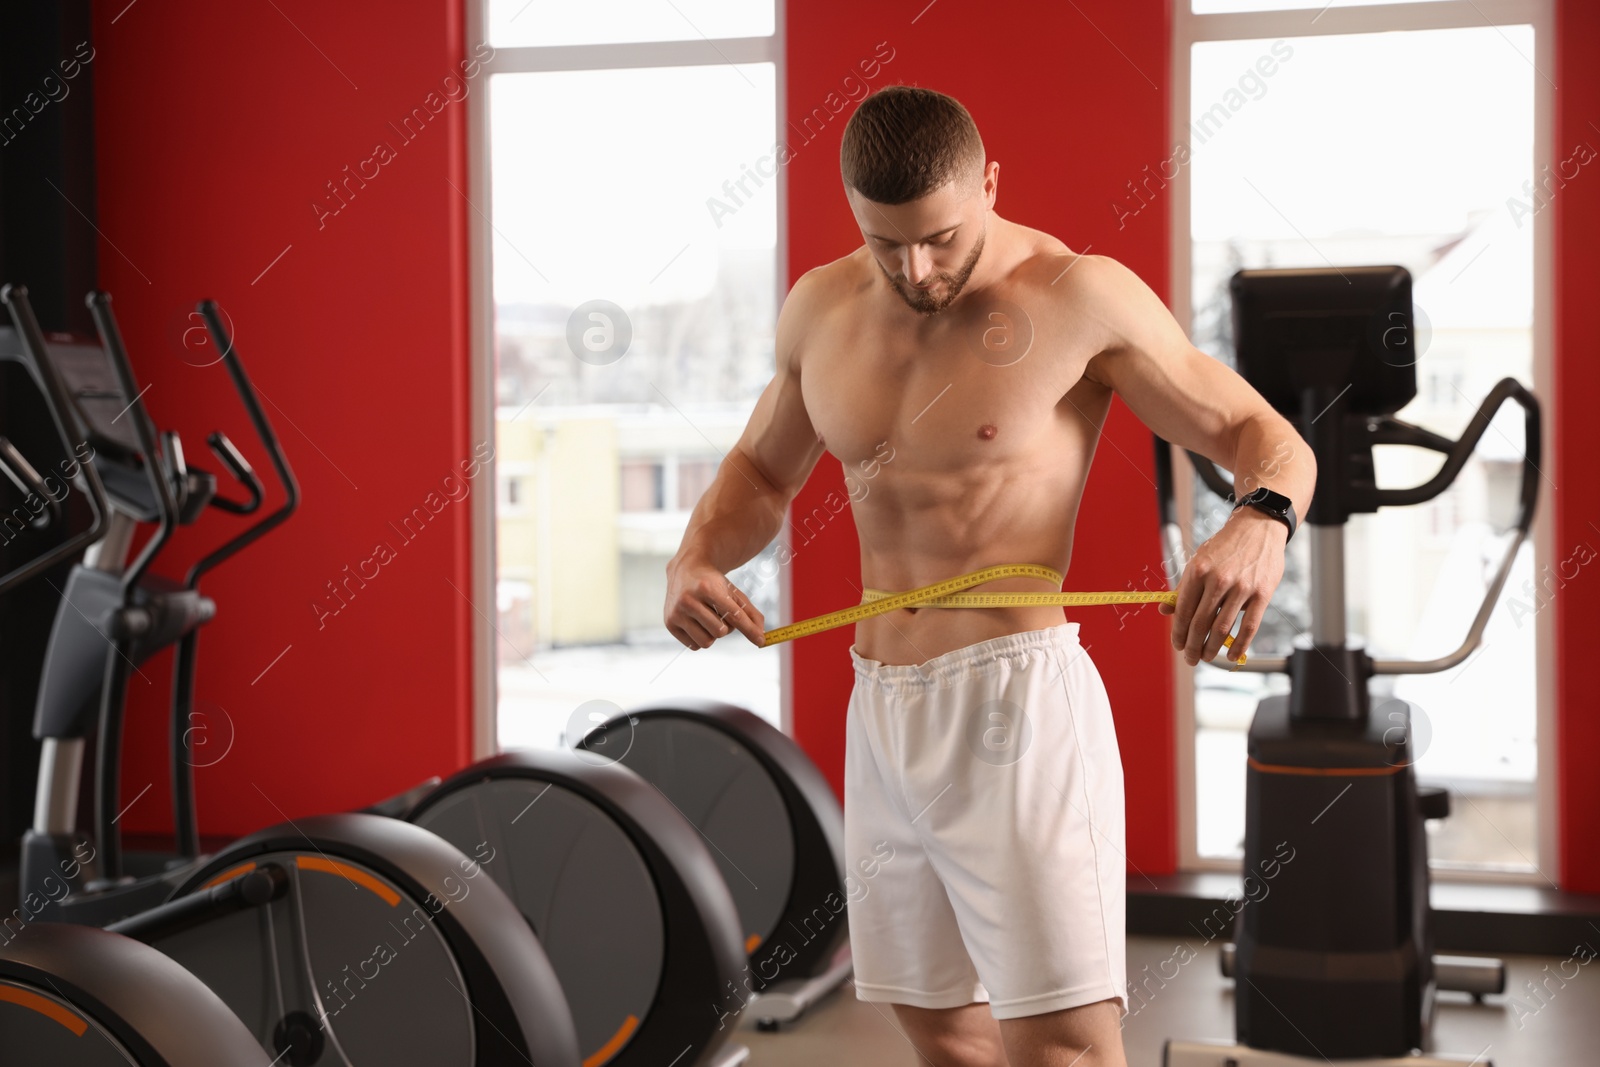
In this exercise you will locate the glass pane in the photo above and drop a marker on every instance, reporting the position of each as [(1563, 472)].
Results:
[(1209, 7), (694, 478), (635, 286), (518, 23), (1426, 160)]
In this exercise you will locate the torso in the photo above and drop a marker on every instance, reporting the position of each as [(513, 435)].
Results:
[(957, 454)]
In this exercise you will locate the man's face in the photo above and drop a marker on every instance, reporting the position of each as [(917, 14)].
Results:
[(926, 248)]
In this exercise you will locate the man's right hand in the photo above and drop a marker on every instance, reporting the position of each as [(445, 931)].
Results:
[(703, 605)]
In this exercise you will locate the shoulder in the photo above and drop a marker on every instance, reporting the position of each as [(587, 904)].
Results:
[(815, 298), (1047, 269), (1070, 276), (1106, 302), (830, 284), (828, 290)]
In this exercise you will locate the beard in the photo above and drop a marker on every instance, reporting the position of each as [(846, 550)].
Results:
[(932, 301)]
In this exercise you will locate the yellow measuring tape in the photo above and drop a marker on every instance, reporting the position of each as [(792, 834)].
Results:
[(947, 594)]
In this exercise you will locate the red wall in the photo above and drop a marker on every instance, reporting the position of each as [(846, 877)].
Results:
[(218, 127), (1570, 402), (1071, 120)]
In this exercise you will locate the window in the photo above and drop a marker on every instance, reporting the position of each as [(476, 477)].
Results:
[(694, 478), (1428, 159), (641, 486), (625, 196)]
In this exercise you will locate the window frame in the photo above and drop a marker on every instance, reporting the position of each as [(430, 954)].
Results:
[(1189, 29), (535, 59)]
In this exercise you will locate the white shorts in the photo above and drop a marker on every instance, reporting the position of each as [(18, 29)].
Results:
[(983, 819)]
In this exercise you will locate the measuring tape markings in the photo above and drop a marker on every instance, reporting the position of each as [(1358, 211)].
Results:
[(948, 594)]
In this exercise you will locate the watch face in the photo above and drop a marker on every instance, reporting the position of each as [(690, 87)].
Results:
[(1265, 496)]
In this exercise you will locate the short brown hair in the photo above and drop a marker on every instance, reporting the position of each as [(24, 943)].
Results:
[(904, 142)]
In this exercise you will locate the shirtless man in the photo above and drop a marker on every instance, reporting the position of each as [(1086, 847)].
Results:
[(979, 743)]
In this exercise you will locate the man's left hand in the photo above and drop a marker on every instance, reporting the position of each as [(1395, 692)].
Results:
[(1236, 569)]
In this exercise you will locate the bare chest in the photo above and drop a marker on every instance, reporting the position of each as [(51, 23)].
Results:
[(990, 389)]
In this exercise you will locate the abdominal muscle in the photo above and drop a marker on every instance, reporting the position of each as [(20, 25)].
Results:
[(904, 548)]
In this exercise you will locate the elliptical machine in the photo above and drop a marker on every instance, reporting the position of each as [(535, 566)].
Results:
[(1336, 962), (330, 938), (626, 940), (78, 995)]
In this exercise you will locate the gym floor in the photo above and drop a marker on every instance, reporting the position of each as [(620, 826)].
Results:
[(1198, 1003), (845, 1032)]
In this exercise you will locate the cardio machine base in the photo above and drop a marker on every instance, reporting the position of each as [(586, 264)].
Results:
[(60, 881), (784, 1002), (1338, 940), (731, 1056), (1227, 1054)]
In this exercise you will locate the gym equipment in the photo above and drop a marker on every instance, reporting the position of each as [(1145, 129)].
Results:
[(1336, 962), (77, 995), (778, 836), (639, 926), (387, 945), (330, 937), (26, 477), (640, 938)]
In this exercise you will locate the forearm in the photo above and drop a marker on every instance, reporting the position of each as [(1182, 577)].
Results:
[(738, 515), (1269, 452)]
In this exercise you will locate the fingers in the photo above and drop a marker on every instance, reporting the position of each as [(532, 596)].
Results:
[(744, 616), (1203, 620), (691, 635), (709, 620), (1191, 588), (1205, 612), (714, 608), (1248, 629), (1222, 625), (693, 623)]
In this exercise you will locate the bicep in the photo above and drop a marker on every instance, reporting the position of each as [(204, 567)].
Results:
[(1178, 391)]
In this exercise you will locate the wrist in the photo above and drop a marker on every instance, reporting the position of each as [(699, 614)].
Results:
[(1249, 515), (688, 561)]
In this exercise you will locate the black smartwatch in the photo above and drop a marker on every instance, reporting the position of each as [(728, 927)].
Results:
[(1277, 505)]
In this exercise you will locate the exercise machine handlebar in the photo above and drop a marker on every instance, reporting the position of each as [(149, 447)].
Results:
[(184, 809), (1390, 431), (230, 457), (236, 463), (1527, 500), (15, 298), (20, 473), (144, 432)]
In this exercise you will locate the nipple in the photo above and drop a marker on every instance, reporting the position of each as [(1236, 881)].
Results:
[(987, 431)]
